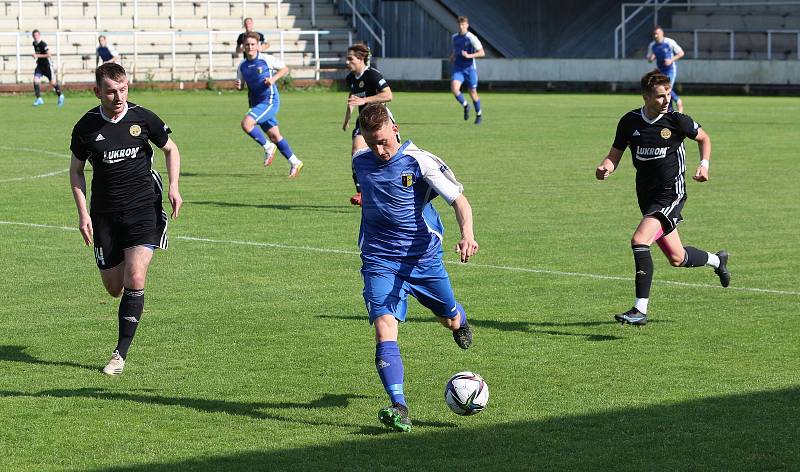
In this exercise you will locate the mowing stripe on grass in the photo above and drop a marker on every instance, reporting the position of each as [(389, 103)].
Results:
[(36, 151), (471, 264)]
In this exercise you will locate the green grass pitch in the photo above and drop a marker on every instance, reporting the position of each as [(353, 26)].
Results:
[(254, 351)]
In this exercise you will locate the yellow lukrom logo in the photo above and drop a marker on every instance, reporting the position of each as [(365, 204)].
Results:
[(136, 130), (665, 133)]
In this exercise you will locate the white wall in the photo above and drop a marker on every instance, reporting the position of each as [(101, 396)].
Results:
[(599, 70)]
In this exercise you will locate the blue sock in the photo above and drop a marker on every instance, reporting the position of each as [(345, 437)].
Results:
[(477, 107), (461, 100), (463, 314), (284, 148), (258, 135), (390, 369)]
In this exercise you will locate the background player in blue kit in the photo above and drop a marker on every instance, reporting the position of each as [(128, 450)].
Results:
[(106, 52), (261, 73), (466, 47), (665, 51), (655, 136), (401, 245), (44, 68)]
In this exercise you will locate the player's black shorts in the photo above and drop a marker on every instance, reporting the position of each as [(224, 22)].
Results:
[(119, 230), (356, 130), (665, 205), (43, 71)]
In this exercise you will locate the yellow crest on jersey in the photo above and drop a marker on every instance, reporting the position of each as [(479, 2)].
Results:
[(408, 180), (665, 133), (135, 130), (260, 70)]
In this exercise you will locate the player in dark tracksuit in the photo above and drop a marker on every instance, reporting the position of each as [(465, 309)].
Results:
[(655, 137), (44, 68)]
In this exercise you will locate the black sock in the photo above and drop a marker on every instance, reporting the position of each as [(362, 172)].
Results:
[(57, 89), (694, 257), (37, 89), (644, 269), (355, 181), (130, 312)]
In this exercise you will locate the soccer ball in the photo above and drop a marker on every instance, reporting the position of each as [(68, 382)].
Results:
[(466, 393)]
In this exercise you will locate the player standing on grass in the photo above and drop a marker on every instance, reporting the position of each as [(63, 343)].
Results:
[(466, 47), (44, 68), (261, 73), (655, 136), (401, 245), (366, 85), (126, 222), (665, 51)]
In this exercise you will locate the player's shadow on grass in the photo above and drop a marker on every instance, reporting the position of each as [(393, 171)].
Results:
[(272, 206), (516, 326), (743, 431), (257, 410), (18, 354)]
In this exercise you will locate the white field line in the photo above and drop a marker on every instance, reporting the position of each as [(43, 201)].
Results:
[(471, 264), (36, 151)]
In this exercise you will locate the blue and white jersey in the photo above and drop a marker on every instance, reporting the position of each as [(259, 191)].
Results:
[(466, 42), (254, 72), (663, 51), (398, 222), (107, 53)]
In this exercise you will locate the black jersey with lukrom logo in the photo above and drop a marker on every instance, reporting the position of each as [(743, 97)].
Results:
[(121, 156), (368, 84), (656, 146)]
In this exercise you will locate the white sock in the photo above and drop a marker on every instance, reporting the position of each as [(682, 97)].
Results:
[(268, 146), (713, 260), (293, 160), (641, 304)]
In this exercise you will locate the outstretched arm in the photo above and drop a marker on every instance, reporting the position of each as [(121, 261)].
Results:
[(609, 164), (467, 247), (704, 145), (173, 158), (281, 72), (77, 180)]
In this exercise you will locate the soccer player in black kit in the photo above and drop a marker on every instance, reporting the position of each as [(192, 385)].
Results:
[(655, 136), (44, 68), (366, 85), (126, 222)]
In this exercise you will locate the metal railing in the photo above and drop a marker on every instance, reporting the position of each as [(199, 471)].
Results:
[(174, 44), (136, 6), (623, 31), (379, 36), (771, 33)]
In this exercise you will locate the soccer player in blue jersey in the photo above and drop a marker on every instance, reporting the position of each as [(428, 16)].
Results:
[(261, 72), (665, 51), (401, 245), (466, 47), (106, 52)]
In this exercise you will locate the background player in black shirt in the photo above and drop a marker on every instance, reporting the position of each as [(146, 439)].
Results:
[(655, 137), (366, 85), (126, 222), (248, 27), (44, 68)]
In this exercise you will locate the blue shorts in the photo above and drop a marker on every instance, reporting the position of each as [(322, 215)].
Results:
[(468, 76), (387, 285), (265, 114), (672, 74)]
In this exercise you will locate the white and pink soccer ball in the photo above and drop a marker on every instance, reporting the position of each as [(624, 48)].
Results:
[(466, 393)]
